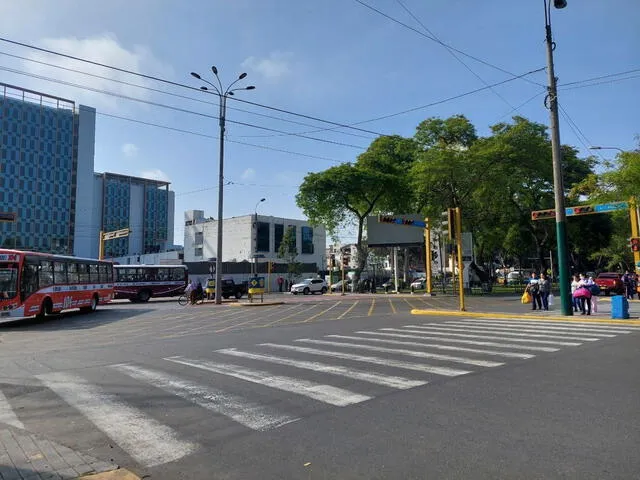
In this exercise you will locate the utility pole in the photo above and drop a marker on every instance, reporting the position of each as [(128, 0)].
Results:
[(558, 184)]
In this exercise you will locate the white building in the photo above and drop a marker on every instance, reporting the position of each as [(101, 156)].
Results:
[(250, 236)]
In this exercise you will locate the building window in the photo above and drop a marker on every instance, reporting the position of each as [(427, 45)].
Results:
[(262, 237), (199, 238), (197, 251), (307, 239), (279, 233)]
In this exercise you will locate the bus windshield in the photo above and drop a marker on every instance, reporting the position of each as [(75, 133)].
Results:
[(8, 280)]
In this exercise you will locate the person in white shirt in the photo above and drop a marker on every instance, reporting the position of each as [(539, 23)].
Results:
[(534, 290), (574, 286)]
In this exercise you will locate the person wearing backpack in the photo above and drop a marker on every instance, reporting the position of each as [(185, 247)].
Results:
[(534, 290)]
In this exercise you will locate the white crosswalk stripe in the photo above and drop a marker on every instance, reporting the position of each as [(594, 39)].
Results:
[(247, 413), (521, 332), (554, 325), (409, 329), (426, 336), (508, 333), (386, 362), (527, 329), (7, 415), (323, 393), (380, 379), (411, 353), (144, 438), (436, 346)]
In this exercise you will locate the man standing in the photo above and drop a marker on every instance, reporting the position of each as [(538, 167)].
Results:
[(534, 290), (280, 281)]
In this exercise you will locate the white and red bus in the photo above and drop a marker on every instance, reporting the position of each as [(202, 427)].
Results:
[(39, 284), (139, 283)]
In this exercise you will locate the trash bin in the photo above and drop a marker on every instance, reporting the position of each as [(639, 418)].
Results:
[(619, 307)]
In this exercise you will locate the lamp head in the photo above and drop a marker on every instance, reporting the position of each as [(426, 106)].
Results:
[(250, 87), (214, 69), (560, 3), (242, 75), (194, 74)]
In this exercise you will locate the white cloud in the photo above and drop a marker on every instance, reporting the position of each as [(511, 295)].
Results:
[(248, 174), (273, 67), (103, 49), (130, 150), (155, 174)]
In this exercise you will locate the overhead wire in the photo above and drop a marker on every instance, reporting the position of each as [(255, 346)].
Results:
[(453, 53), (484, 62)]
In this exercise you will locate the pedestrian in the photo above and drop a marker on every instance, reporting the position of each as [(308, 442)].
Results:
[(189, 290), (280, 281), (545, 290), (534, 290), (575, 301), (584, 294), (628, 284)]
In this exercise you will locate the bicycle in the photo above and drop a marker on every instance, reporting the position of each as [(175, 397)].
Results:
[(185, 299)]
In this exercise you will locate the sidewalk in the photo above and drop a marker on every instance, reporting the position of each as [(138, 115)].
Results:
[(26, 456)]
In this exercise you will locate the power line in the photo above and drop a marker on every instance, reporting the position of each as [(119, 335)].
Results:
[(452, 53), (582, 138), (615, 80), (189, 132), (181, 85), (600, 77), (177, 95), (170, 107), (389, 17)]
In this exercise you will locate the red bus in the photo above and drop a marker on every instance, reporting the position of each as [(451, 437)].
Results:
[(39, 284), (139, 283)]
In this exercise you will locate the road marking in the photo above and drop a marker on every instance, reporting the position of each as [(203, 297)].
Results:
[(349, 309), (148, 441), (541, 329), (387, 362), (558, 325), (323, 311), (317, 391), (501, 331), (289, 316), (7, 415), (409, 303), (426, 336), (411, 353), (373, 305), (393, 309), (437, 346), (380, 379), (484, 337), (247, 413)]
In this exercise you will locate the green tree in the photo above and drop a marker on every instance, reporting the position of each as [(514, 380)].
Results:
[(289, 253)]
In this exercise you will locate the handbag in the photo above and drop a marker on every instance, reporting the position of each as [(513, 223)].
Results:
[(551, 299), (526, 297)]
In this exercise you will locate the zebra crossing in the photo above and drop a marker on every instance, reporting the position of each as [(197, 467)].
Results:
[(234, 385)]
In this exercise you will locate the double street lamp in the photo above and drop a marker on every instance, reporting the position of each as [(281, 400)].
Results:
[(223, 93)]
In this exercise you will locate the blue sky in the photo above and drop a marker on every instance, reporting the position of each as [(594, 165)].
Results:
[(332, 59)]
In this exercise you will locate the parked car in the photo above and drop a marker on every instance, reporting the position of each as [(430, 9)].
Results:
[(419, 284), (337, 287), (610, 282), (309, 285), (229, 288)]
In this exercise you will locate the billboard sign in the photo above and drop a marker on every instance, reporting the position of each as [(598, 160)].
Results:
[(395, 231)]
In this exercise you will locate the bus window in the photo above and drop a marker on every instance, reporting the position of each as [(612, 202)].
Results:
[(8, 280), (163, 274), (29, 281), (72, 272), (149, 274), (46, 273), (177, 273), (59, 272), (103, 273), (83, 273), (93, 273)]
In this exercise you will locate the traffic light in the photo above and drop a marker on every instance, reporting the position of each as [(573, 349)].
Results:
[(543, 214), (635, 244), (345, 261), (583, 210), (450, 222), (332, 261)]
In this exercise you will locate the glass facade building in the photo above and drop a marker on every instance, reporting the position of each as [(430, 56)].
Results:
[(38, 166)]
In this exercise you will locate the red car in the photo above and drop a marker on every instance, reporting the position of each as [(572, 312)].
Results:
[(610, 282)]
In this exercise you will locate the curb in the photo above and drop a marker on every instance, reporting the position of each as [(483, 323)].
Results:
[(516, 316), (119, 474), (261, 304)]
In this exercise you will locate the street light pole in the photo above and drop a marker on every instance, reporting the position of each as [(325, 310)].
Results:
[(558, 184), (223, 94)]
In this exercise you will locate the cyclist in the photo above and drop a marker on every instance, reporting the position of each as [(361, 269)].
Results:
[(189, 291), (198, 294)]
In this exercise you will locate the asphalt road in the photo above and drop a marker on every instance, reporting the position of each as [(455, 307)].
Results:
[(329, 387)]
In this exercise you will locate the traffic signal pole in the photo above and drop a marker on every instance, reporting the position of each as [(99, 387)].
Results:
[(458, 229), (633, 216), (427, 254)]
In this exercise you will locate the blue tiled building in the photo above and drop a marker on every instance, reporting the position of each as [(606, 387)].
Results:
[(48, 183)]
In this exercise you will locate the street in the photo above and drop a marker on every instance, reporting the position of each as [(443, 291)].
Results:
[(330, 387)]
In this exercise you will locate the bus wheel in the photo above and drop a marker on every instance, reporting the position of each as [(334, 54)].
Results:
[(93, 306), (46, 308), (144, 296)]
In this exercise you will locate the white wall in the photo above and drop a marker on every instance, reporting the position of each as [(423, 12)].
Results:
[(84, 243)]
